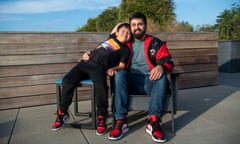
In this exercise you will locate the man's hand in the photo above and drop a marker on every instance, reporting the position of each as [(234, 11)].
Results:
[(156, 72)]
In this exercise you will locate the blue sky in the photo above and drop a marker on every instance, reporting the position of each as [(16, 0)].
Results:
[(68, 15)]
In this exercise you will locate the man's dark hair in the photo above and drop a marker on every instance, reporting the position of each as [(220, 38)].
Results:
[(138, 15)]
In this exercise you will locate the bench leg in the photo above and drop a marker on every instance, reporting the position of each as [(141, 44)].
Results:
[(58, 95), (91, 114), (93, 107), (76, 112), (173, 100)]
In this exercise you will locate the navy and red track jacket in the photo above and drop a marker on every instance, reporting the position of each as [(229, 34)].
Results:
[(156, 53)]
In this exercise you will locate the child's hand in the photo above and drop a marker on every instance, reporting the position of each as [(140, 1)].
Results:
[(111, 72), (85, 56)]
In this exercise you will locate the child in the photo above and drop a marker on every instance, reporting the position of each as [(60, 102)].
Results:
[(109, 57)]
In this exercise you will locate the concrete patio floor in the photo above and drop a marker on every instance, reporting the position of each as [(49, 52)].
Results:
[(206, 115)]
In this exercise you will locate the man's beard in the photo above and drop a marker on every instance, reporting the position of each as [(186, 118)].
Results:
[(139, 35)]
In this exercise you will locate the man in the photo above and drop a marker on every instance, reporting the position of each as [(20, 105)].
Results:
[(149, 63)]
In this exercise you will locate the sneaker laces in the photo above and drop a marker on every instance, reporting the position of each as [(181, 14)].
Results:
[(58, 119), (156, 126), (101, 121), (59, 114), (118, 124), (117, 130)]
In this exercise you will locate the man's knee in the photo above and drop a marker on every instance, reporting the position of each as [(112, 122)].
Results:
[(162, 82), (164, 78)]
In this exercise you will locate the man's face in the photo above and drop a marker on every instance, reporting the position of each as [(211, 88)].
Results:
[(138, 28)]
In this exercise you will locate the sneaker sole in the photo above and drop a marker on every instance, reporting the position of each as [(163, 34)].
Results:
[(117, 138), (100, 134), (64, 120), (154, 139), (56, 129)]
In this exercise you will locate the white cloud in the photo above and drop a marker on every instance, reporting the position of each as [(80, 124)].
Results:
[(43, 6)]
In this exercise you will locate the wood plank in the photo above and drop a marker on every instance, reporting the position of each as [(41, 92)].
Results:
[(26, 70), (28, 80), (54, 37), (198, 79), (191, 44), (46, 48), (205, 36), (195, 60), (32, 90), (51, 37), (15, 60), (60, 58), (197, 68), (27, 90), (20, 102), (193, 52)]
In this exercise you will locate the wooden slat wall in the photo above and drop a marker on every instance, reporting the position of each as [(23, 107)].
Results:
[(30, 62), (196, 54)]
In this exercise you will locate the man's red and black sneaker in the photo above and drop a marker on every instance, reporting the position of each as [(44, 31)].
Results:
[(101, 126), (153, 129), (60, 120), (119, 129)]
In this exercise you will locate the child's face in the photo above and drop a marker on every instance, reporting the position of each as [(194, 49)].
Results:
[(123, 35)]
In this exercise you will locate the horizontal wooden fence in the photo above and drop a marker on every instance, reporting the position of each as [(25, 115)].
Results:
[(30, 62)]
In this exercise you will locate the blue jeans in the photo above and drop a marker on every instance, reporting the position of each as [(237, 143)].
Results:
[(126, 83)]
